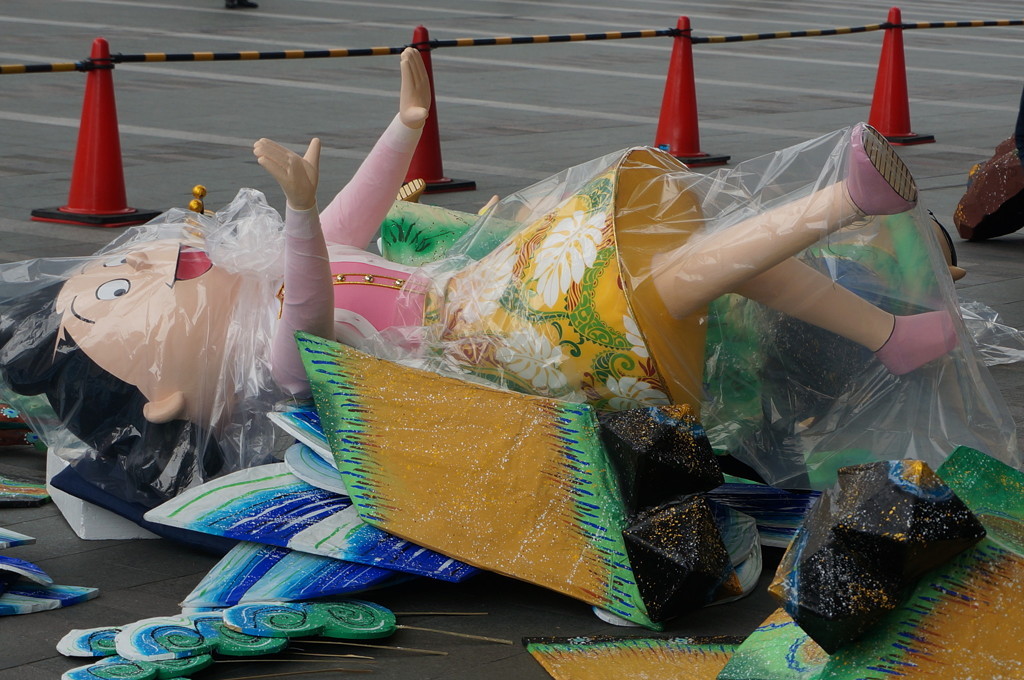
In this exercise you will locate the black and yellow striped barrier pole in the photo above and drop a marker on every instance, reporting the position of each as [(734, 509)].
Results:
[(778, 35), (165, 57), (848, 30), (159, 57), (43, 68)]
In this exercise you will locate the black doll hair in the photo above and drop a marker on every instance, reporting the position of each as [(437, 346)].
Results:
[(131, 458)]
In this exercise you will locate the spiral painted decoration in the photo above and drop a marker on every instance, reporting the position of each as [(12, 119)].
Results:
[(119, 668), (356, 620), (161, 638), (274, 619), (89, 642), (180, 668), (162, 648), (231, 642), (113, 668)]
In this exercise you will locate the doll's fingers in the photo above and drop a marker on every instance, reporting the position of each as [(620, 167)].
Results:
[(415, 84), (301, 176), (420, 86), (312, 155), (273, 153), (281, 172), (259, 148), (311, 164), (487, 206), (412, 63), (293, 179), (409, 54), (271, 165), (266, 146)]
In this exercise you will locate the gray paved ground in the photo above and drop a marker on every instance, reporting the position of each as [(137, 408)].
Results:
[(508, 116)]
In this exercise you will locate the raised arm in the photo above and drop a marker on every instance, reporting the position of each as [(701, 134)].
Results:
[(308, 299), (355, 214)]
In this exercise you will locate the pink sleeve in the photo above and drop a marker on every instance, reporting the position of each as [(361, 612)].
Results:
[(308, 298), (355, 214)]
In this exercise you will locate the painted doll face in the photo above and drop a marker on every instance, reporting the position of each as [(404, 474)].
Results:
[(156, 316)]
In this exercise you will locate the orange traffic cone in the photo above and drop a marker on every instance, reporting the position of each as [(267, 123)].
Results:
[(426, 160), (97, 196), (890, 106), (677, 125)]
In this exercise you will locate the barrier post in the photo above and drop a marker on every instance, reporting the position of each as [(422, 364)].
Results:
[(678, 131), (97, 195), (890, 106), (426, 160)]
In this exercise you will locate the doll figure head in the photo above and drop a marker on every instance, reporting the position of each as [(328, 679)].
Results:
[(156, 316)]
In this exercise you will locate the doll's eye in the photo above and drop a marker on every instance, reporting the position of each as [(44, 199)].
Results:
[(113, 289), (116, 261)]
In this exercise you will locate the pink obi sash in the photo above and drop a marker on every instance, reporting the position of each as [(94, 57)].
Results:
[(383, 296)]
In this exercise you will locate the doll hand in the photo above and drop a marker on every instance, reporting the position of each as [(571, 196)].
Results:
[(297, 175), (488, 205), (414, 101)]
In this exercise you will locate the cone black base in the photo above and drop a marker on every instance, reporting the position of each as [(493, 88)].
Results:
[(702, 160), (445, 185), (94, 220), (907, 140)]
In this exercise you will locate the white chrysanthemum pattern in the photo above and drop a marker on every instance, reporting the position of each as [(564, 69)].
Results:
[(566, 253), (534, 359), (631, 392), (634, 337), (480, 290)]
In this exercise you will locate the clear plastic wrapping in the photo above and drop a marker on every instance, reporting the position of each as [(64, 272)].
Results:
[(627, 281), (145, 364), (996, 342)]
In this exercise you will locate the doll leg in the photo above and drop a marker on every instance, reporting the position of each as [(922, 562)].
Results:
[(800, 291), (754, 258), (901, 343), (710, 265)]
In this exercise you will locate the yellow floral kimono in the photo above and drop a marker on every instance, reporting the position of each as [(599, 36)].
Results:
[(565, 307)]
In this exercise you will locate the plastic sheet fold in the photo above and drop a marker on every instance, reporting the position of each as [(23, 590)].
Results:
[(624, 282)]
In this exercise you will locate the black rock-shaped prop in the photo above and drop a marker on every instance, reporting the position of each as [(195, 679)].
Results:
[(660, 453), (678, 557), (864, 543)]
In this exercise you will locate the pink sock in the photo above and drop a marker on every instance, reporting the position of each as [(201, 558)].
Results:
[(916, 340)]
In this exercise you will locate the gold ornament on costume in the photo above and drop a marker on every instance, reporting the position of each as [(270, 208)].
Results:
[(198, 194)]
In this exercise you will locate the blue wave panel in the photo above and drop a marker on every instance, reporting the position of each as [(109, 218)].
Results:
[(310, 467), (268, 504), (253, 572), (303, 423), (26, 597), (9, 539), (14, 568)]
